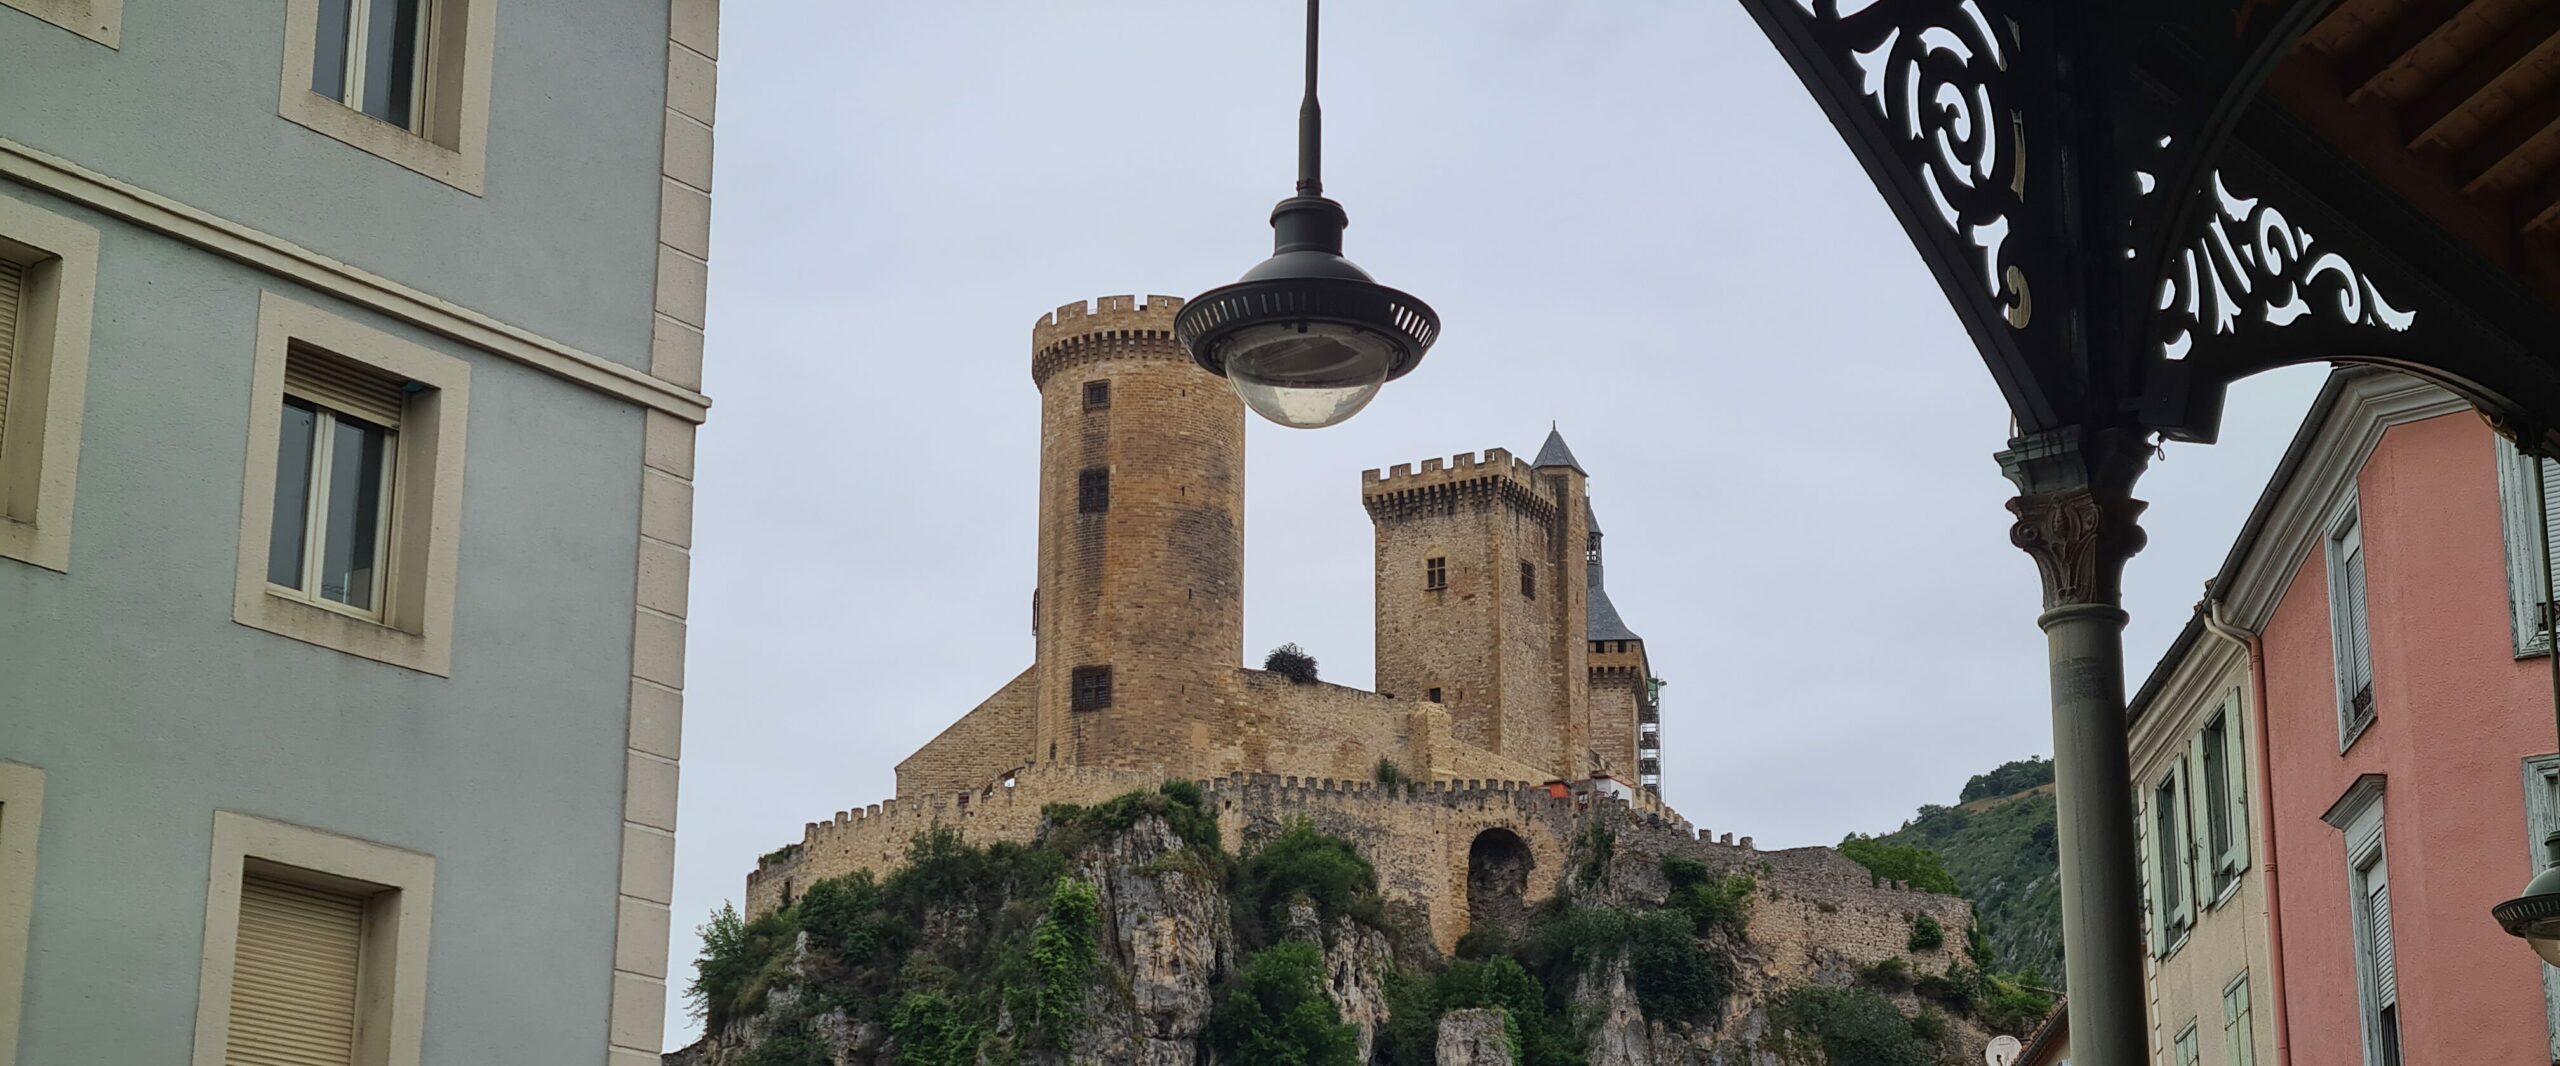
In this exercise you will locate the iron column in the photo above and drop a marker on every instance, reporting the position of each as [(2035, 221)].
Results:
[(2076, 517)]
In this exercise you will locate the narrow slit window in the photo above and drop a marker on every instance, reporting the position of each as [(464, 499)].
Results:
[(1529, 580), (1435, 574), (335, 459), (371, 55), (1093, 492), (1433, 695)]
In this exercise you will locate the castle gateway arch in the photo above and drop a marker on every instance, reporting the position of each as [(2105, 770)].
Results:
[(2132, 205)]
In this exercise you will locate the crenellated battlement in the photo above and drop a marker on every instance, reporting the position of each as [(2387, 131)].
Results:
[(1105, 326), (874, 837), (1493, 475)]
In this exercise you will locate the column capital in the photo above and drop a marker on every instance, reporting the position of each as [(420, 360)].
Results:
[(2076, 515)]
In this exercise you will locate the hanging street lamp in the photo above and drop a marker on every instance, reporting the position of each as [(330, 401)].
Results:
[(1306, 337)]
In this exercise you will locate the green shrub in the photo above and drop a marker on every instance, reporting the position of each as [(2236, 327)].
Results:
[(1389, 774), (1711, 902), (738, 963), (1304, 862), (1673, 976), (1854, 1026), (1061, 959), (1890, 975), (1484, 942), (1929, 1025), (1278, 1014), (1292, 662), (838, 914), (1920, 867), (2011, 1003), (933, 1029), (1927, 934), (1184, 810), (1599, 845)]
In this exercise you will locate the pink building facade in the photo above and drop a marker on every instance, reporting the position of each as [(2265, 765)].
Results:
[(2400, 757)]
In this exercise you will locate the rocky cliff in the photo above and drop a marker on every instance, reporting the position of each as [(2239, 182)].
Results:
[(1129, 933)]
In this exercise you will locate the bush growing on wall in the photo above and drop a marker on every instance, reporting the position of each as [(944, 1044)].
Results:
[(1926, 933), (1920, 867), (1303, 862), (1292, 662)]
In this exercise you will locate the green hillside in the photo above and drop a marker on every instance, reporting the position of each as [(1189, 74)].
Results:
[(1999, 845)]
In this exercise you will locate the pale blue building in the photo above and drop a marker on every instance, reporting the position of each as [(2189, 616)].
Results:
[(350, 359)]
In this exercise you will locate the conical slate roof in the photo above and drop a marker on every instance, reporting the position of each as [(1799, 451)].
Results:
[(1554, 453), (1599, 615)]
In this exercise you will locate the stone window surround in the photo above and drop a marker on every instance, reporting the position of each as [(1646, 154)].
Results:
[(98, 20), (426, 515), (21, 823), (453, 147), (396, 922), (40, 460)]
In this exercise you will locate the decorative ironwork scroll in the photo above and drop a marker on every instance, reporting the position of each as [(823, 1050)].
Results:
[(2252, 268), (1931, 76), (1938, 101)]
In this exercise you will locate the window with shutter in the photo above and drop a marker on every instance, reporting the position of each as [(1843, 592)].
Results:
[(2524, 500), (2239, 1033), (2169, 867), (293, 981), (13, 287), (2187, 1048), (2222, 761), (335, 458), (2351, 630)]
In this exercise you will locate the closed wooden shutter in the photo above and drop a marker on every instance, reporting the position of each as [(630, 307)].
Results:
[(13, 289), (293, 988), (2386, 971), (345, 387)]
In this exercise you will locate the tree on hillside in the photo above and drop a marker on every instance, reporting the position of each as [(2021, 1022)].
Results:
[(2008, 779)]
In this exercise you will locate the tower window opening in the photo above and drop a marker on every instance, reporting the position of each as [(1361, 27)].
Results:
[(1435, 574), (1529, 580), (1093, 491), (1097, 395), (1433, 695), (1092, 689), (1591, 554)]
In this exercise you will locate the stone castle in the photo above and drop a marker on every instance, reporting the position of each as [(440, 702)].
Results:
[(1512, 703)]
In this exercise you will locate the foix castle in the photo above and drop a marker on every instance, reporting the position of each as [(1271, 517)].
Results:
[(1512, 707)]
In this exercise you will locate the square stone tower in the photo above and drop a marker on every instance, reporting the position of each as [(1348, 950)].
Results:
[(1482, 591)]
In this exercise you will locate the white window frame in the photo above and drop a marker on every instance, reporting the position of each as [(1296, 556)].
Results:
[(450, 141), (413, 627), (359, 28), (21, 825), (2188, 1048), (2345, 533), (2520, 509), (2232, 860), (397, 927), (2359, 815), (2542, 818), (49, 381), (315, 515)]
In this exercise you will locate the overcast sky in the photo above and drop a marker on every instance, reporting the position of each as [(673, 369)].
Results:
[(1633, 222)]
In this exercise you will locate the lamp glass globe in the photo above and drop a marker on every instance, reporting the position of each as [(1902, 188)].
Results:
[(1307, 375)]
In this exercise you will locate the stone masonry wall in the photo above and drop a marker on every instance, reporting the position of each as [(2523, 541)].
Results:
[(1508, 666), (1818, 911), (1616, 691), (990, 741), (1151, 586)]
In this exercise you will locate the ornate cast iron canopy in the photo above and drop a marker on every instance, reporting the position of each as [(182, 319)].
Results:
[(2132, 205)]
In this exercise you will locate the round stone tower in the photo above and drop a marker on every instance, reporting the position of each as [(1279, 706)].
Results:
[(1140, 611)]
